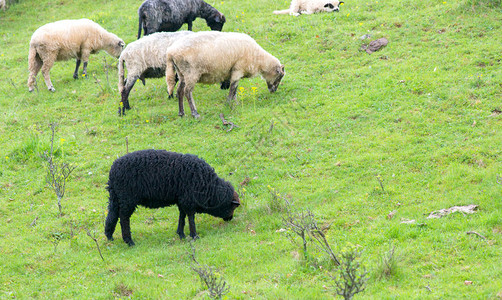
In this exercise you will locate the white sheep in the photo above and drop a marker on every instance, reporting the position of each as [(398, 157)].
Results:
[(67, 39), (210, 57), (144, 58)]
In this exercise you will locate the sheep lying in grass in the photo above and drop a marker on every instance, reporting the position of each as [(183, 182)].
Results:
[(157, 178), (144, 58), (307, 7), (170, 15), (67, 39), (211, 57)]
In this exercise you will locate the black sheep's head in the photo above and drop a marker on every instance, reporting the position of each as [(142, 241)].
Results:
[(233, 205), (216, 21)]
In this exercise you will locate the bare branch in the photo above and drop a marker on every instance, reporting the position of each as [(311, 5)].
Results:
[(475, 233), (93, 237), (225, 122)]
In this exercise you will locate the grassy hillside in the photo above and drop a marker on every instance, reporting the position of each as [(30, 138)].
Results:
[(363, 141)]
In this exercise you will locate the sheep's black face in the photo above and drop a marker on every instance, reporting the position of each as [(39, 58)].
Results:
[(216, 22), (233, 205), (273, 84)]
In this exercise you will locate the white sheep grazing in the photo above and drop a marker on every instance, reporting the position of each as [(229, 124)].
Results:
[(144, 58), (67, 39), (211, 57)]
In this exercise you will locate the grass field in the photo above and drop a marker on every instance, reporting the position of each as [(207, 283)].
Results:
[(363, 141)]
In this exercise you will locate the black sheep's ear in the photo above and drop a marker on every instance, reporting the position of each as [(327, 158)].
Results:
[(341, 2), (223, 20)]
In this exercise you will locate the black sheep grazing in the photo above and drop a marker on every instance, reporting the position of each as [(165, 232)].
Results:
[(157, 178), (170, 15)]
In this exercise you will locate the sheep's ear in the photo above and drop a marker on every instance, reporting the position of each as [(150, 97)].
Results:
[(329, 5), (280, 69), (219, 18), (236, 203), (341, 2)]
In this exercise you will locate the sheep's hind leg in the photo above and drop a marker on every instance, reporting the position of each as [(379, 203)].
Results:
[(125, 224), (180, 94), (84, 72), (75, 74), (191, 102), (232, 93), (46, 67), (34, 69), (191, 224), (181, 225), (112, 217), (125, 94)]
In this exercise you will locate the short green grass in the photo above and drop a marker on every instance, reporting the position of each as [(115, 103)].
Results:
[(422, 115)]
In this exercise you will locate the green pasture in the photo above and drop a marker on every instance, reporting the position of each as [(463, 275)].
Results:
[(365, 142)]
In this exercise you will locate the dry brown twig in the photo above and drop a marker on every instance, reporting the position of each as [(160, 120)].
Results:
[(225, 122), (475, 233), (93, 237)]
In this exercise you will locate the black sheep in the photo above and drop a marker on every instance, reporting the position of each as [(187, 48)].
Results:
[(170, 15), (157, 178)]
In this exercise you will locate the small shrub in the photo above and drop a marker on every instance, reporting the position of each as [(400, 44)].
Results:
[(350, 277), (389, 263), (215, 283)]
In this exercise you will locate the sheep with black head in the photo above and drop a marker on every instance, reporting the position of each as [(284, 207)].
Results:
[(158, 178)]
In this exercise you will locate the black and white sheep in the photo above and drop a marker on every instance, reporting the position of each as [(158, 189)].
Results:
[(170, 15), (307, 7), (144, 58), (157, 178), (67, 39), (211, 57)]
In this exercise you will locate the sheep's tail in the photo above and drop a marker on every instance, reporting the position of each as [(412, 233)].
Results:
[(281, 12), (32, 67), (170, 74), (32, 56), (121, 74), (113, 214), (140, 24)]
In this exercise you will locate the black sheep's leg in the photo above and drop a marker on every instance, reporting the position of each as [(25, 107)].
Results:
[(181, 224), (75, 74), (125, 216), (189, 25), (225, 85), (112, 217), (191, 225)]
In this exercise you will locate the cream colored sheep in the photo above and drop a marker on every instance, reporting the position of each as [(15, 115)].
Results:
[(144, 58), (67, 39), (211, 57)]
